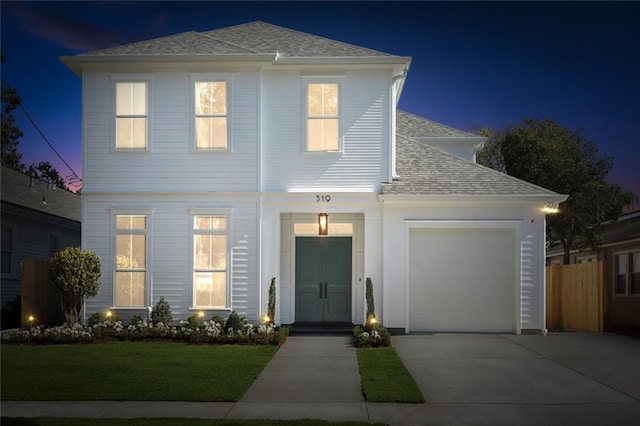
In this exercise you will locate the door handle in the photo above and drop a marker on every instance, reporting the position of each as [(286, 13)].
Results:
[(325, 289), (320, 287)]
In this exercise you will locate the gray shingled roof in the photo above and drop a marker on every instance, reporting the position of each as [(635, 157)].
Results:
[(252, 38), (19, 189), (424, 170), (412, 126)]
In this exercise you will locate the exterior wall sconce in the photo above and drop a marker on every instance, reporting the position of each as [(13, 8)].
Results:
[(551, 208), (323, 223)]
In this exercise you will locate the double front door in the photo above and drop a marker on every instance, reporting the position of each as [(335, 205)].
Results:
[(323, 279)]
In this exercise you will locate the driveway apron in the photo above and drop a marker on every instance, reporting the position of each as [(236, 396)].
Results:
[(509, 379)]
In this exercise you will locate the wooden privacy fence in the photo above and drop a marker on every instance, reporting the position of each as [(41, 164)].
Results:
[(38, 298), (575, 297)]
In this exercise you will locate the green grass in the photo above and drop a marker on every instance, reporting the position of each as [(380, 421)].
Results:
[(384, 377), (49, 421), (130, 371)]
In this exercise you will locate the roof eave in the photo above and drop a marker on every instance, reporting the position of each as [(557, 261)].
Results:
[(519, 198), (344, 60)]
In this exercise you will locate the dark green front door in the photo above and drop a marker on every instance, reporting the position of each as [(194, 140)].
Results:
[(323, 279)]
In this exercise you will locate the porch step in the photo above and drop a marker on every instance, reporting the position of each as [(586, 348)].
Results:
[(321, 328)]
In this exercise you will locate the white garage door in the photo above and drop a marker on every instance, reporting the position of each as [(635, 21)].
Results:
[(462, 280)]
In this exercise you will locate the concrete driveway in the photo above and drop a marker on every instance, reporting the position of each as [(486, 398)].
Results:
[(558, 379)]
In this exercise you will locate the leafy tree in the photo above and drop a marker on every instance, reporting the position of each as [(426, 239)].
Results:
[(47, 173), (10, 132), (554, 157), (74, 274), (271, 304), (161, 313)]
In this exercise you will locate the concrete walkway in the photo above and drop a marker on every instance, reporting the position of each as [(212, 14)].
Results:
[(467, 379)]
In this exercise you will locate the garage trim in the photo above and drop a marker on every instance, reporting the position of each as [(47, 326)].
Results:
[(515, 225)]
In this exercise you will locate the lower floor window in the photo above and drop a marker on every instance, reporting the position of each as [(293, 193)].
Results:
[(131, 260), (210, 261)]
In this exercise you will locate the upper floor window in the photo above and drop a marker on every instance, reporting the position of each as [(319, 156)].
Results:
[(322, 117), (131, 260), (210, 263), (211, 114), (627, 274), (131, 115)]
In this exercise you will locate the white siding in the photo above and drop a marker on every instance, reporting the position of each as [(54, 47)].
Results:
[(172, 163), (170, 266), (363, 164)]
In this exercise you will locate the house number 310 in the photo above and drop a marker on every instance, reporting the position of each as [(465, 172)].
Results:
[(323, 198)]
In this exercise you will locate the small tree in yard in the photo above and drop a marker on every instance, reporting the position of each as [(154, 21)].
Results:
[(74, 273), (371, 309)]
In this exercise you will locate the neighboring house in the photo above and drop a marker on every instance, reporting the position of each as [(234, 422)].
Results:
[(620, 254), (212, 159), (37, 220)]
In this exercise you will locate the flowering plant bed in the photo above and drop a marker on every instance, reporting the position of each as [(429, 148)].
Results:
[(371, 336), (199, 332)]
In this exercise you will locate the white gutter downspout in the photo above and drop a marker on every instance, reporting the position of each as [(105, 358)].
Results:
[(392, 135)]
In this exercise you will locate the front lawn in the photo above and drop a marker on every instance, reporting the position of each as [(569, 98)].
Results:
[(131, 371), (384, 377)]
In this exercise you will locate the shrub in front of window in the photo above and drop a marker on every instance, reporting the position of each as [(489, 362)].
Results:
[(161, 313), (74, 274)]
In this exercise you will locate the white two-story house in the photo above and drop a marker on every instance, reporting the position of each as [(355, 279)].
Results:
[(216, 161)]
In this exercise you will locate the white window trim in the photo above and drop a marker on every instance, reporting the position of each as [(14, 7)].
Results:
[(329, 79), (205, 77), (228, 213), (131, 78), (149, 232)]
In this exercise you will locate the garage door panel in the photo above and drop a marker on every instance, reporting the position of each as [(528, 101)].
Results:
[(462, 280)]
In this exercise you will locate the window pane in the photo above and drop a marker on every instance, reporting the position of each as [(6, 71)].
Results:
[(621, 274), (130, 288), (211, 97), (131, 222), (210, 251), (131, 98), (322, 134), (211, 289), (211, 132), (131, 132), (131, 251), (322, 100), (216, 223)]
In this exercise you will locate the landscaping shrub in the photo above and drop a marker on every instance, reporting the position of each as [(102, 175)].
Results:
[(371, 336), (74, 273), (234, 323), (161, 313), (271, 305)]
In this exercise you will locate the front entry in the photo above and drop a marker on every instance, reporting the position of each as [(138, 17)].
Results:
[(323, 279)]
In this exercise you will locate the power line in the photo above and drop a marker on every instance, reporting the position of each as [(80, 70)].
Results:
[(73, 178)]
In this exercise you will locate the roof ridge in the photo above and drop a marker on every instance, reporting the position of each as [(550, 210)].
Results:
[(290, 30), (438, 123), (226, 42)]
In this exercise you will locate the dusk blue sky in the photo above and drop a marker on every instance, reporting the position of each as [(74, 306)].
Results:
[(473, 64)]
